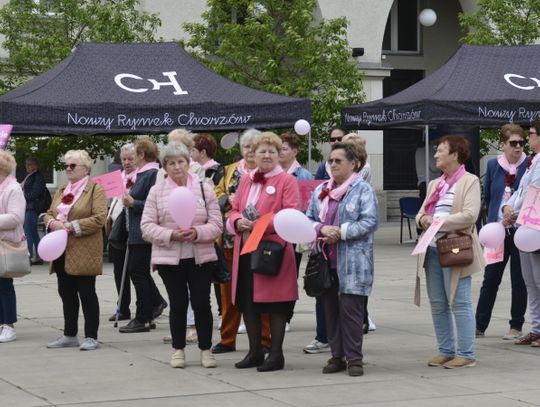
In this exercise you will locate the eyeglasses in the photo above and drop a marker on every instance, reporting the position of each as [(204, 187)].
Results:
[(70, 166), (515, 143), (336, 139), (331, 161)]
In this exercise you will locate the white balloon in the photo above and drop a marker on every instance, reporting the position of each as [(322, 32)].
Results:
[(302, 127), (229, 140), (427, 17), (294, 226), (527, 239)]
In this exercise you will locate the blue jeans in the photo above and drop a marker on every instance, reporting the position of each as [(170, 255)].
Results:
[(30, 230), (443, 314), (321, 321), (8, 302)]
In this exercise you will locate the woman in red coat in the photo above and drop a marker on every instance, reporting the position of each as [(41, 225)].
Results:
[(266, 189)]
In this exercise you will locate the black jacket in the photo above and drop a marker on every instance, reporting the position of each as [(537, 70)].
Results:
[(33, 188)]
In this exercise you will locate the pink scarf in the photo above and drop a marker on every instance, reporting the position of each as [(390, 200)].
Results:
[(294, 166), (147, 166), (334, 193), (242, 169), (71, 195), (191, 179), (511, 169), (129, 179), (442, 188), (209, 164), (256, 187)]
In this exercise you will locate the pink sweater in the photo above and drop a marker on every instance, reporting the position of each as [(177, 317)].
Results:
[(12, 208), (157, 225)]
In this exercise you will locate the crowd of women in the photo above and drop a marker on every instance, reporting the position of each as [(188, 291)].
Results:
[(343, 210)]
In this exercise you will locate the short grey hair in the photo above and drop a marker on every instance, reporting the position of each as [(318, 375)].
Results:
[(181, 136), (248, 136), (174, 150), (128, 148)]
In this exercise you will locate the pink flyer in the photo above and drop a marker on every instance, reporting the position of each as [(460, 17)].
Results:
[(428, 236), (112, 182)]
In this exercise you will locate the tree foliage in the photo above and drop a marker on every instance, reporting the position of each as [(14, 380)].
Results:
[(39, 34), (278, 46), (501, 22)]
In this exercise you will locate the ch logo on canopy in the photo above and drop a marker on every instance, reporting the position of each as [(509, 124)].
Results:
[(120, 81), (524, 83)]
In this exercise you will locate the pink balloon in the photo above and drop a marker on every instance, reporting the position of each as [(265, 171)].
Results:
[(52, 245), (294, 227), (182, 206), (527, 239), (492, 235)]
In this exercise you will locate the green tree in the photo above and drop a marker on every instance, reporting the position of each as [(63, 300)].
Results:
[(501, 22), (39, 34), (279, 46)]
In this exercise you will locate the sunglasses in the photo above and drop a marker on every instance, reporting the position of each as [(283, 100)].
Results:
[(336, 139), (515, 143), (331, 161), (70, 166)]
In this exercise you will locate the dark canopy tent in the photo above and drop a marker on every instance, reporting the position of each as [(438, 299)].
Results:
[(105, 88), (480, 86)]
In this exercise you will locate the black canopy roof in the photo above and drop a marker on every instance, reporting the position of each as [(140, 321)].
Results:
[(480, 85), (105, 88)]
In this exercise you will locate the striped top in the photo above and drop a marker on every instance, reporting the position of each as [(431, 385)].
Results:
[(443, 209)]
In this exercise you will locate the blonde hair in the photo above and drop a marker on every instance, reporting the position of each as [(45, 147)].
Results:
[(82, 156), (7, 162), (266, 137), (355, 137), (181, 136)]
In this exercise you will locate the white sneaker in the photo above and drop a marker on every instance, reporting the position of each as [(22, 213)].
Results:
[(207, 359), (64, 342), (316, 347), (89, 344), (7, 334), (242, 329), (372, 326), (178, 359)]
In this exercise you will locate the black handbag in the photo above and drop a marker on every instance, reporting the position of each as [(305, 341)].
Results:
[(267, 258), (317, 278), (221, 273), (119, 233)]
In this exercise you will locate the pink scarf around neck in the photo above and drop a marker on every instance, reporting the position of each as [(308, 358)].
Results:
[(191, 179), (209, 164), (294, 166), (256, 187), (74, 189), (335, 193), (442, 188), (510, 168), (242, 168)]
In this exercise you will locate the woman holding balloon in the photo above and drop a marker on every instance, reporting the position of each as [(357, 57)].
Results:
[(182, 224), (267, 189), (530, 259), (345, 212), (502, 178), (78, 209)]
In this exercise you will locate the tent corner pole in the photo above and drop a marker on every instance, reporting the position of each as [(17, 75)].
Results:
[(426, 138), (309, 151)]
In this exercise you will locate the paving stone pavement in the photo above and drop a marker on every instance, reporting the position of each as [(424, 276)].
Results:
[(133, 369)]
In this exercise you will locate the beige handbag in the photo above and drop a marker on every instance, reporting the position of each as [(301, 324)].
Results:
[(14, 259)]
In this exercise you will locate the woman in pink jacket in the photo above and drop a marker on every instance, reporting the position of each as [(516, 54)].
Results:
[(184, 257), (266, 189)]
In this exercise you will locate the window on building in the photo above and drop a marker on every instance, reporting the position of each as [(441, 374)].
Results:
[(402, 32)]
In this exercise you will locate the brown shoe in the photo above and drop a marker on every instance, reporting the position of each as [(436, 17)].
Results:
[(527, 339), (439, 360), (334, 365), (355, 368), (458, 363), (536, 344)]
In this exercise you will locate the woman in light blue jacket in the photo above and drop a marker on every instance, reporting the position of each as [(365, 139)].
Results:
[(345, 212)]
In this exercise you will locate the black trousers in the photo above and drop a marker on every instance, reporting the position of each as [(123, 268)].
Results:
[(118, 257), (148, 295), (71, 289), (177, 280)]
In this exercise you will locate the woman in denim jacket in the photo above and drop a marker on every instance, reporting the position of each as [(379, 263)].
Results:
[(346, 215)]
